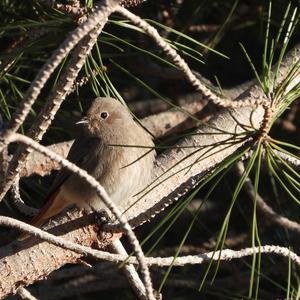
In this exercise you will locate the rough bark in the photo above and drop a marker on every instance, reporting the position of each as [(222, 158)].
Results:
[(24, 262)]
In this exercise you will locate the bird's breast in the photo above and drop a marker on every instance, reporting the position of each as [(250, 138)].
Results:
[(122, 171)]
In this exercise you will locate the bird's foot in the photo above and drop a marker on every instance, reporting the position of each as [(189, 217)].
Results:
[(101, 217)]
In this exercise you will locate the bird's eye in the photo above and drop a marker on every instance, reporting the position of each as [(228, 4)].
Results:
[(104, 115)]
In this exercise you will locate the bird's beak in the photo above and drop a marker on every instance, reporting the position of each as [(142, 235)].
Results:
[(82, 121)]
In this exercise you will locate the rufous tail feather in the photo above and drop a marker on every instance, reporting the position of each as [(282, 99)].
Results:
[(54, 205)]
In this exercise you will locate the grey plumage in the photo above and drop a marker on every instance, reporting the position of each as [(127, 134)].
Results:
[(108, 148)]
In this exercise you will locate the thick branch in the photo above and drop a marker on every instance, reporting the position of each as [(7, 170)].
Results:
[(179, 169), (21, 261), (204, 150)]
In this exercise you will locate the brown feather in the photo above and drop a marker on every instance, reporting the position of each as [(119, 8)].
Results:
[(54, 205)]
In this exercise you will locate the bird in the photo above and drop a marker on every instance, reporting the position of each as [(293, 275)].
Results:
[(111, 147)]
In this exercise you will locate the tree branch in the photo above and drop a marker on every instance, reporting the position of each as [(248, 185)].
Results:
[(180, 62), (130, 271)]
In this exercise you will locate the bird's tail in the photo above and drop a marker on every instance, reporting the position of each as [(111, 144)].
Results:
[(54, 205)]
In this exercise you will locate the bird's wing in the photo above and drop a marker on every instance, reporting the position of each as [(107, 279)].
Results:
[(79, 151)]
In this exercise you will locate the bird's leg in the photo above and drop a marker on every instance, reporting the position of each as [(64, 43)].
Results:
[(102, 217)]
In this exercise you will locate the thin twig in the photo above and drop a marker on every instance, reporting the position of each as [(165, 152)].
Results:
[(18, 201), (99, 16), (130, 271), (291, 160), (25, 294), (180, 62), (225, 254), (52, 104)]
